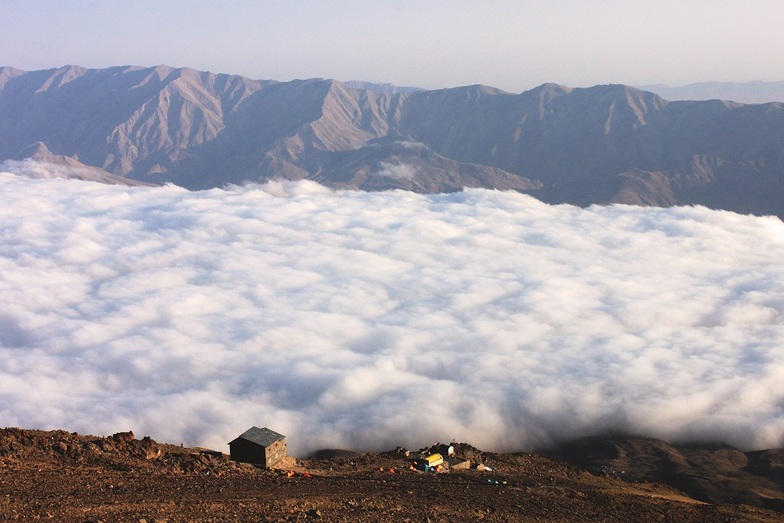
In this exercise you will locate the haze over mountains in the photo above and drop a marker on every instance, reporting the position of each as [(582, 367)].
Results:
[(603, 144), (745, 92)]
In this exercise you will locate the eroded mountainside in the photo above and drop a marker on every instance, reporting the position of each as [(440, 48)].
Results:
[(604, 144)]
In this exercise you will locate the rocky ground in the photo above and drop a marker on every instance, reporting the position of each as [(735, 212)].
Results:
[(713, 473), (61, 476)]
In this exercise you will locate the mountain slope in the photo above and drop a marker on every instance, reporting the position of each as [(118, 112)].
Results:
[(37, 161), (127, 120), (603, 144), (400, 163), (714, 474)]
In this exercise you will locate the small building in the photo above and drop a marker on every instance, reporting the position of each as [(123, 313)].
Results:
[(445, 450), (263, 447)]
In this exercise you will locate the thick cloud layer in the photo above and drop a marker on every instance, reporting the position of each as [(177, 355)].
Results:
[(369, 320)]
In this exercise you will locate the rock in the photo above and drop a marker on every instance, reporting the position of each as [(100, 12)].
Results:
[(459, 464), (124, 437)]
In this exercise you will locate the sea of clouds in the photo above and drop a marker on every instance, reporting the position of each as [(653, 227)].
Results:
[(370, 320)]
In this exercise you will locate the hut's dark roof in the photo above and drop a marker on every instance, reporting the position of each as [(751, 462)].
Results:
[(264, 437)]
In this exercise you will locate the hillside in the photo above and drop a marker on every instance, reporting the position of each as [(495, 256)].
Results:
[(603, 144), (37, 161), (67, 477)]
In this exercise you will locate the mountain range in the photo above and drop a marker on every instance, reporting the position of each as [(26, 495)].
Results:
[(597, 145)]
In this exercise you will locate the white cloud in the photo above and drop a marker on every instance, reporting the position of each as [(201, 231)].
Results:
[(398, 171), (369, 320)]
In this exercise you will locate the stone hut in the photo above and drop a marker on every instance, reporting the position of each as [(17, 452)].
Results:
[(263, 447)]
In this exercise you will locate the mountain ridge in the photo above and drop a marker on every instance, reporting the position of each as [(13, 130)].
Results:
[(595, 145)]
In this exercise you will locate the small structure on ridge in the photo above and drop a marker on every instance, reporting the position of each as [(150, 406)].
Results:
[(262, 447)]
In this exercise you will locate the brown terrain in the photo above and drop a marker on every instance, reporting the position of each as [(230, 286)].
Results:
[(62, 476)]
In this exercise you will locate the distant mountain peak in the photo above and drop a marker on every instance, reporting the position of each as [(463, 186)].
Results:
[(742, 92), (35, 150)]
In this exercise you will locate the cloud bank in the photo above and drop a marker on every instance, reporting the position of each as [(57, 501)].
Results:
[(368, 320)]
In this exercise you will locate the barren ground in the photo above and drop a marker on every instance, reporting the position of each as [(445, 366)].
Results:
[(60, 476)]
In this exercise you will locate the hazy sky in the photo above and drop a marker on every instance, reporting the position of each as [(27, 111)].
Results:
[(370, 320), (511, 44)]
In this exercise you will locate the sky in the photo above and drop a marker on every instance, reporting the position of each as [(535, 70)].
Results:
[(371, 320), (514, 45)]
